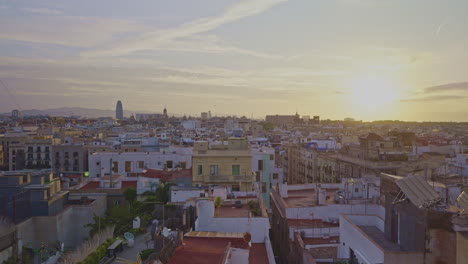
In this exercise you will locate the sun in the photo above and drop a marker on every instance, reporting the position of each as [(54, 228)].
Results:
[(371, 92)]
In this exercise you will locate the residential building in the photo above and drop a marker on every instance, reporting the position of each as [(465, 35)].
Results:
[(305, 220), (227, 164), (69, 158), (416, 228), (133, 163), (34, 153)]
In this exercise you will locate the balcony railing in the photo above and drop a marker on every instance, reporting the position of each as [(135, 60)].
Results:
[(229, 178)]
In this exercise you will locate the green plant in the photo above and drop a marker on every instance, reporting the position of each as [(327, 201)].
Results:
[(130, 194), (252, 204), (218, 202), (145, 254), (256, 212)]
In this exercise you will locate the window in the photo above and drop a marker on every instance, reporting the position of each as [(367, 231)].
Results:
[(98, 163), (272, 157), (200, 170), (235, 188), (115, 166), (169, 164), (264, 187), (183, 164), (260, 165), (235, 170), (275, 176), (141, 164), (128, 166), (214, 170), (257, 176), (75, 154)]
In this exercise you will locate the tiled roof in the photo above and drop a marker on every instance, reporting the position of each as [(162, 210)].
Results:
[(90, 186), (129, 184), (208, 250), (167, 175)]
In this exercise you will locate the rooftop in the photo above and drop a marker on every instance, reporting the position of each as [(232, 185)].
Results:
[(301, 198), (233, 211), (379, 237), (212, 249)]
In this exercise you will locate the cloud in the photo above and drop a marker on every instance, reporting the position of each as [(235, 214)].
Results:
[(164, 37), (66, 30), (434, 98), (43, 11), (458, 86)]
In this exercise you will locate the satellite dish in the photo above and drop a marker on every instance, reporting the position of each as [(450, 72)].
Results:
[(165, 232)]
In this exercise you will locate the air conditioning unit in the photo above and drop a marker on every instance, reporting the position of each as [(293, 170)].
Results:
[(325, 236)]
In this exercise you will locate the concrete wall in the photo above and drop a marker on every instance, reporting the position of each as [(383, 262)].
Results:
[(333, 211), (352, 238), (183, 195), (256, 226), (67, 227), (314, 232), (462, 246), (406, 257)]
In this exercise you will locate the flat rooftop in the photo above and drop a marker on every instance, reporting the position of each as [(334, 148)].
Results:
[(301, 198), (232, 211), (379, 237), (208, 250)]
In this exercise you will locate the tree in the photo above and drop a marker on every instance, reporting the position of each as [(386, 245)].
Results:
[(162, 192), (130, 194)]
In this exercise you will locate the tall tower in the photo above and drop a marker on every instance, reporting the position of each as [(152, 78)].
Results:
[(165, 112), (119, 110)]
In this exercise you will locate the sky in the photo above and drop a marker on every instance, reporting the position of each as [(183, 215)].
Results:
[(365, 59)]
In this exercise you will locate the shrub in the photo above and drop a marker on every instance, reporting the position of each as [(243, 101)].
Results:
[(145, 254)]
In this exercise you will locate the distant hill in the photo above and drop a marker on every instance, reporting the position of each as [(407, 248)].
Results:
[(72, 111)]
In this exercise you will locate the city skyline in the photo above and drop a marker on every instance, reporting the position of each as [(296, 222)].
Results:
[(336, 59)]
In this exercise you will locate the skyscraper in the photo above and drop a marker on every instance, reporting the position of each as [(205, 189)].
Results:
[(119, 110)]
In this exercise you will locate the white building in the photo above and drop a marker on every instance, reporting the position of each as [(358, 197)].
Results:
[(130, 163)]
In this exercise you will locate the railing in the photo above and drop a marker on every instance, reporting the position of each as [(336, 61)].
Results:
[(229, 178)]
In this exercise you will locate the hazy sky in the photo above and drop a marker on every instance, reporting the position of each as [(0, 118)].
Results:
[(367, 59)]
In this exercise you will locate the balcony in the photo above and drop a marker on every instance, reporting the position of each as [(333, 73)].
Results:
[(229, 178)]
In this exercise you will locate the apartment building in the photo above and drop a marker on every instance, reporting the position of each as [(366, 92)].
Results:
[(133, 163), (226, 163)]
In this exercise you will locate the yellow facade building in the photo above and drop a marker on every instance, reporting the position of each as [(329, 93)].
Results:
[(223, 164)]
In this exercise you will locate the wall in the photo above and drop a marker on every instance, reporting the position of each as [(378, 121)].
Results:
[(351, 237), (462, 245), (256, 226), (183, 195), (314, 232), (406, 257), (68, 226), (333, 211)]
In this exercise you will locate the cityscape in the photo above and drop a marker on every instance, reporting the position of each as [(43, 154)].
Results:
[(233, 132)]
